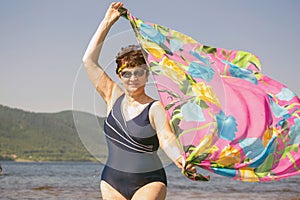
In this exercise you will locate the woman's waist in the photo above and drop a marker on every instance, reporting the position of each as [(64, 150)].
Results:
[(134, 162)]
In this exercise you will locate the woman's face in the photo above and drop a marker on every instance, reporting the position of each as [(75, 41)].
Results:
[(133, 79)]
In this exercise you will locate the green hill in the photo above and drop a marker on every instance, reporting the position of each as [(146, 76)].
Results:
[(44, 136)]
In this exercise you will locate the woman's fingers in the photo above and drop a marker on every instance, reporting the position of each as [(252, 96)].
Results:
[(180, 162), (116, 6), (191, 168), (112, 13)]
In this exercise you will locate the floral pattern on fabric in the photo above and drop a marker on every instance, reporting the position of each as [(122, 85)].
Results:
[(229, 118)]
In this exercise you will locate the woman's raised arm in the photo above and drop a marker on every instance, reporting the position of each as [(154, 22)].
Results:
[(107, 88)]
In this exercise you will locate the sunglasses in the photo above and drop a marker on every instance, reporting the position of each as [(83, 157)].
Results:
[(136, 73)]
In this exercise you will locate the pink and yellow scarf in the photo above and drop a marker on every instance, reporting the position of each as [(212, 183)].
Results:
[(229, 118)]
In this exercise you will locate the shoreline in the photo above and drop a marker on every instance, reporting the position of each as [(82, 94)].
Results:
[(20, 160)]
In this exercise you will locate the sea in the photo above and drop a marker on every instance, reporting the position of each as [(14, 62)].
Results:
[(80, 180)]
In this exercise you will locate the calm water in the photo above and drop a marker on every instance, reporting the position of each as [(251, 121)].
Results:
[(80, 180)]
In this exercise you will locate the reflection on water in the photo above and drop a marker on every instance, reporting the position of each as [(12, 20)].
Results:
[(51, 180), (80, 180)]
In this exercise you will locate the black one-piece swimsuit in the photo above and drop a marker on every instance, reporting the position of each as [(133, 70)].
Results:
[(132, 152)]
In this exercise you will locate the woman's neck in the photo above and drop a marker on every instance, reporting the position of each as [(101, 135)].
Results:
[(139, 97)]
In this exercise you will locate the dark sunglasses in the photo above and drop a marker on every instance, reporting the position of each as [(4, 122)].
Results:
[(136, 73)]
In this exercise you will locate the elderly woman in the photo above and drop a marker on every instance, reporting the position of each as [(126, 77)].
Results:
[(136, 124)]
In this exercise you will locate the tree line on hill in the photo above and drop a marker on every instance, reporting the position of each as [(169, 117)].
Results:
[(41, 136)]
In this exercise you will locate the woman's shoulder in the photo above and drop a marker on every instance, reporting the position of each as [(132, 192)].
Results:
[(113, 100), (156, 107), (157, 115)]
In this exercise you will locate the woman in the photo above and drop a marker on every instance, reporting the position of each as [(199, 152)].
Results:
[(136, 124)]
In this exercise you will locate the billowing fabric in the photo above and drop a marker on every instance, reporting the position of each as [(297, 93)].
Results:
[(229, 118)]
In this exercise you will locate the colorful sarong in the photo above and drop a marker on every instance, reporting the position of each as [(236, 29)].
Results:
[(229, 118)]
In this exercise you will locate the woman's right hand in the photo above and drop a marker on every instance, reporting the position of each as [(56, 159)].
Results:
[(112, 13)]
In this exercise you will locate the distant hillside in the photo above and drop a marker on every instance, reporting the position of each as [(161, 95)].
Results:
[(42, 136)]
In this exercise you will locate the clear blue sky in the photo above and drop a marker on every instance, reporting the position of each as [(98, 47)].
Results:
[(42, 42)]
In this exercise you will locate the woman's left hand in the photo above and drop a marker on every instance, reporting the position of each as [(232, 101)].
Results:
[(180, 162)]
